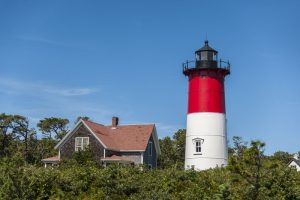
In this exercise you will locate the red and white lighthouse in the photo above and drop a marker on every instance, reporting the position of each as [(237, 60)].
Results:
[(206, 140)]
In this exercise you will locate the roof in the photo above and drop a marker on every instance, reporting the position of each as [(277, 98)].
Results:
[(116, 158), (121, 137), (51, 159), (206, 47), (296, 161)]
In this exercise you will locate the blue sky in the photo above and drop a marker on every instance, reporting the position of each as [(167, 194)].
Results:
[(103, 58)]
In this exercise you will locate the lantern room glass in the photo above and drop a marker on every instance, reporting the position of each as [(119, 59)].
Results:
[(206, 55)]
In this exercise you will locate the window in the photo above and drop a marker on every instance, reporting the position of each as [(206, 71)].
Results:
[(150, 148), (81, 143), (198, 145)]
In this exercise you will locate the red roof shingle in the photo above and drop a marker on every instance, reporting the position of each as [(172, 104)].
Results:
[(122, 137)]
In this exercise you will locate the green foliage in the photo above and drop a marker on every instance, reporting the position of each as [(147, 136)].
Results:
[(249, 175), (281, 157), (53, 126), (172, 151), (81, 117), (116, 182), (84, 157)]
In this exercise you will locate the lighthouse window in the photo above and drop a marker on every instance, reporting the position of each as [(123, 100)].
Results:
[(198, 145), (203, 55)]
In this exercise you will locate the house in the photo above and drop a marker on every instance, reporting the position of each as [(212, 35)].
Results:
[(295, 163), (127, 144)]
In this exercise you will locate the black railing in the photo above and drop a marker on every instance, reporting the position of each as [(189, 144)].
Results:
[(227, 64), (191, 64), (186, 65)]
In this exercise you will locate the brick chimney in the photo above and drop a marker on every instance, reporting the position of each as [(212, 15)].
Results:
[(114, 122)]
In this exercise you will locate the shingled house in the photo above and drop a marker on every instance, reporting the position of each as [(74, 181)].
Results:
[(295, 162), (129, 144)]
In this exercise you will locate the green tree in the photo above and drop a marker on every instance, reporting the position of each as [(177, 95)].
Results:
[(167, 157), (27, 136), (179, 145), (282, 157), (82, 117), (44, 149), (172, 150), (15, 133), (248, 165), (53, 126), (84, 157), (7, 135)]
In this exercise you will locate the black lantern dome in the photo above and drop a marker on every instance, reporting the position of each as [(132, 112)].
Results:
[(206, 57)]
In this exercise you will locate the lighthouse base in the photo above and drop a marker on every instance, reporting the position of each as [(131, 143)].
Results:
[(204, 163), (206, 141)]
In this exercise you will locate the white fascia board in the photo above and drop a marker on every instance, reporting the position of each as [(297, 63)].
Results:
[(68, 134), (94, 135)]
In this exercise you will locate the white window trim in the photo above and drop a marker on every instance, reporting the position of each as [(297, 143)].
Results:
[(150, 148), (81, 145), (195, 140)]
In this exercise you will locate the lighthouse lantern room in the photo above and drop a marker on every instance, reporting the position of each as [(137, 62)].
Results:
[(206, 141)]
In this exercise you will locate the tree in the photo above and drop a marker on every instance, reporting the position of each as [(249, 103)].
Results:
[(166, 159), (239, 146), (14, 130), (7, 135), (81, 117), (282, 157), (179, 145), (248, 164), (172, 150), (20, 126), (53, 126)]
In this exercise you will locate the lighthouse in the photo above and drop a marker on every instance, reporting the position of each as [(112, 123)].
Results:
[(206, 137)]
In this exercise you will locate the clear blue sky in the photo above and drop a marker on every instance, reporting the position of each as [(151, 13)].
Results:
[(103, 58)]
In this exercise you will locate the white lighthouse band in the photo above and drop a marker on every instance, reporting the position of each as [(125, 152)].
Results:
[(206, 143)]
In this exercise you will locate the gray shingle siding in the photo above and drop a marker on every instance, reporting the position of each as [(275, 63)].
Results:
[(148, 158), (67, 150)]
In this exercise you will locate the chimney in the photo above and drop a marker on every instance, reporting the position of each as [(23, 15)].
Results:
[(114, 122)]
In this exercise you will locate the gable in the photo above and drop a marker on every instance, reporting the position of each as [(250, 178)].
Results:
[(69, 135), (293, 163)]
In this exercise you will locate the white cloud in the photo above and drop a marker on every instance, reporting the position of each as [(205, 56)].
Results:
[(71, 92), (12, 86)]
